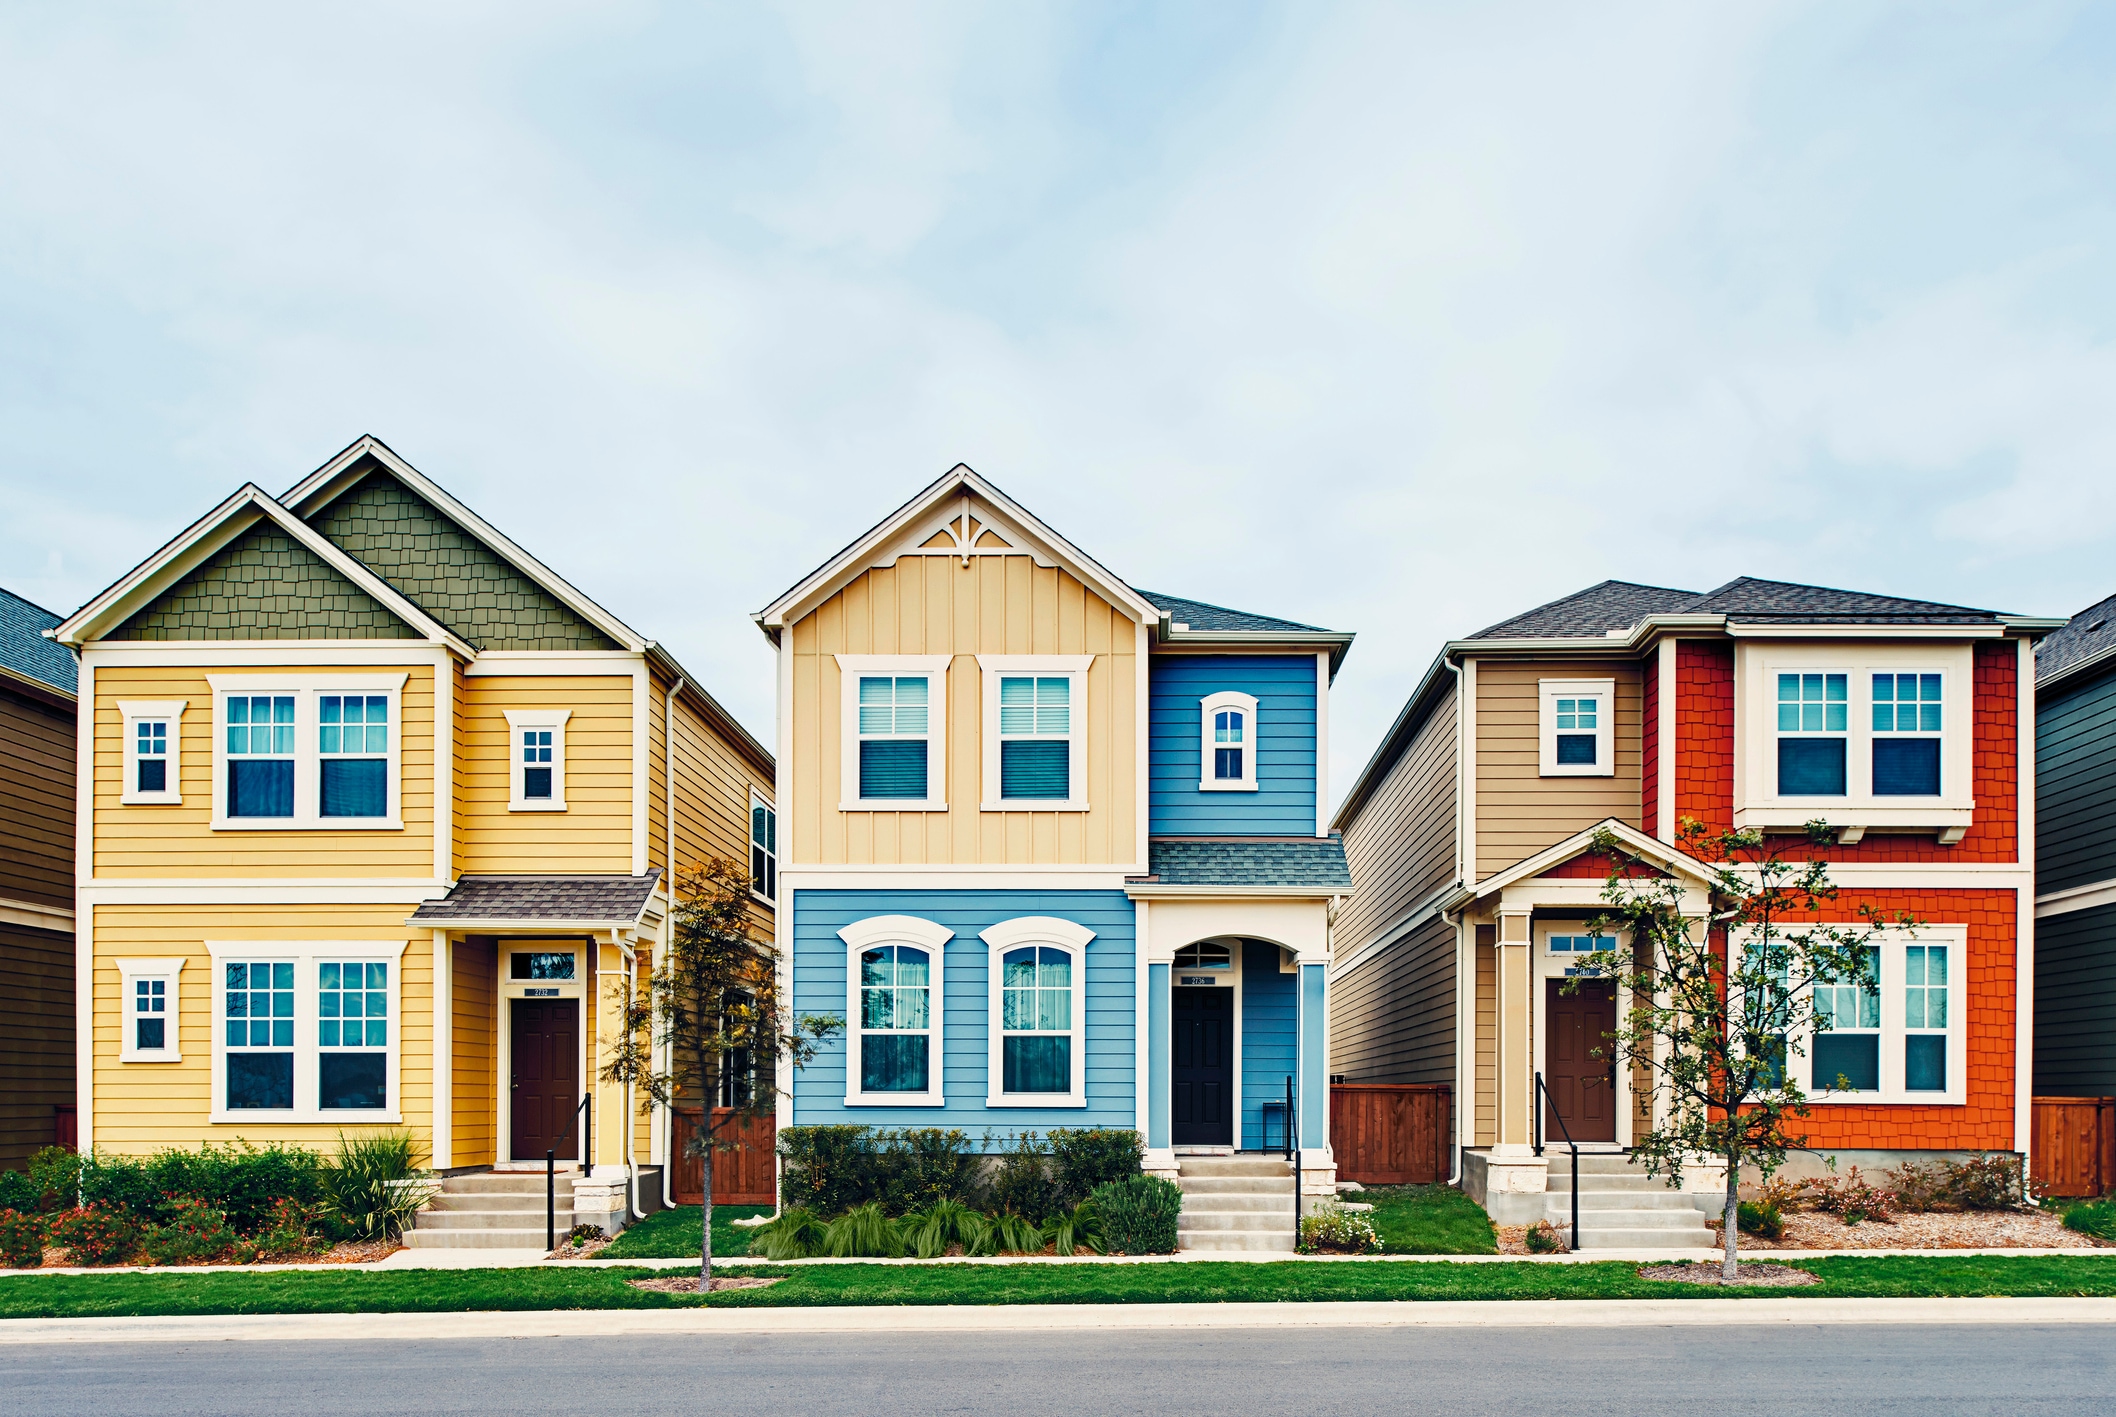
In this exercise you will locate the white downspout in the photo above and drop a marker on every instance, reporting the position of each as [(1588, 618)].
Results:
[(631, 959), (668, 884), (1465, 1039)]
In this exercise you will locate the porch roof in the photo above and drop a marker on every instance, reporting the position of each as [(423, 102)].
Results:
[(542, 903), (1250, 861)]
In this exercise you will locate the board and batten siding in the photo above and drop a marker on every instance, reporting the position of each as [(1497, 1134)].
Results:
[(594, 833), (924, 605), (819, 966), (1401, 846), (2075, 998), (1392, 1019), (1283, 804), (713, 786), (142, 1108), (2075, 786), (157, 840), (1519, 811)]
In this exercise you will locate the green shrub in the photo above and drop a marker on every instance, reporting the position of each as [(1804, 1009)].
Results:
[(21, 1238), (864, 1232), (928, 1233), (922, 1166), (1760, 1218), (56, 1173), (96, 1234), (1077, 1229), (1024, 1182), (794, 1233), (20, 1194), (290, 1232), (120, 1183), (1543, 1239), (828, 1169), (1139, 1215), (242, 1181), (195, 1233), (365, 1186), (833, 1169), (1987, 1181), (1853, 1198), (2095, 1218), (1332, 1230), (1085, 1158)]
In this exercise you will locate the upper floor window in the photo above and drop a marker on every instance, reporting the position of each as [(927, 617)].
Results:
[(1033, 744), (1814, 714), (1227, 749), (895, 715), (151, 748), (353, 744), (763, 848), (1907, 729), (260, 755), (537, 775), (1575, 728), (306, 756)]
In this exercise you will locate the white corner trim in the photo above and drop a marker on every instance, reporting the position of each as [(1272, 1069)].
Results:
[(897, 930), (850, 668), (1322, 743), (131, 969), (1054, 933), (1208, 707), (519, 720), (1072, 667), (132, 712), (1603, 692)]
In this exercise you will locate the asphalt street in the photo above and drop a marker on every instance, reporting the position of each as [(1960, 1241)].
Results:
[(1542, 1371)]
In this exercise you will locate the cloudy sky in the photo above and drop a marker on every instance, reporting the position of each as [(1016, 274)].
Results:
[(1398, 319)]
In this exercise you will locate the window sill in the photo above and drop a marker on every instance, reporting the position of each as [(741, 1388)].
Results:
[(536, 806), (152, 799), (1929, 815), (1584, 770), (308, 824), (892, 804), (338, 1115), (158, 1055), (1035, 1099), (1212, 785), (1035, 804), (1888, 1099), (895, 1099)]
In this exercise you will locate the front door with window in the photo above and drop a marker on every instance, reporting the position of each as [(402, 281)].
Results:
[(546, 1081), (1579, 1065), (1203, 1067)]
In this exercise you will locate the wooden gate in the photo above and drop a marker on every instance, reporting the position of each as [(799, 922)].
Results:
[(743, 1176), (2072, 1146), (1390, 1134)]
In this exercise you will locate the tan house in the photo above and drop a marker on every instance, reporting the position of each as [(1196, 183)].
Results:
[(379, 813)]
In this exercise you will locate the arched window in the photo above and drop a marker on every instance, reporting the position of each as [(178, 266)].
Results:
[(1227, 751), (1038, 1013), (894, 1004)]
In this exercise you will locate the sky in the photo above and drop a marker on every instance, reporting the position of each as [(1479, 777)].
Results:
[(1397, 319)]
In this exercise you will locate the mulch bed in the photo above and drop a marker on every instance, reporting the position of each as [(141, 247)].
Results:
[(345, 1252), (1776, 1276), (688, 1283), (1923, 1230)]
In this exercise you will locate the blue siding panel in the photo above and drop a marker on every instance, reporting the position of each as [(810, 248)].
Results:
[(1270, 1037), (1284, 802), (1112, 995), (1159, 1062)]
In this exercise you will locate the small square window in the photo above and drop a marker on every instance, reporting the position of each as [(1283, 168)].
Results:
[(1576, 727), (149, 1001), (537, 759)]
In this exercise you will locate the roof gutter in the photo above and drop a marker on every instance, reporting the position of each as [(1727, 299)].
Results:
[(1177, 636), (2077, 669), (1147, 890)]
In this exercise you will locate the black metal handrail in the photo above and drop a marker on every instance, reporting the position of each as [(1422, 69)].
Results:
[(1292, 1136), (1543, 1099), (585, 1115)]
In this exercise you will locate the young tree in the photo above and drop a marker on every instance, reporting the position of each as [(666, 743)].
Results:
[(713, 1008), (1720, 1002)]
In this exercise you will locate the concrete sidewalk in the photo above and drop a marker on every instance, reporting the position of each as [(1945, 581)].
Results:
[(1568, 1314)]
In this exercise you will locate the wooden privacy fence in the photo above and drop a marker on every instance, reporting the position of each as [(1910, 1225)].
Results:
[(2072, 1145), (1390, 1134), (744, 1176)]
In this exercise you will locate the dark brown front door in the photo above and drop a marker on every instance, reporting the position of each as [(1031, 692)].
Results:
[(1579, 1064), (1203, 1071), (546, 1083)]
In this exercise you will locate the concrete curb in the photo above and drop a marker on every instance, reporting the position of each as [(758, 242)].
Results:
[(1608, 1313)]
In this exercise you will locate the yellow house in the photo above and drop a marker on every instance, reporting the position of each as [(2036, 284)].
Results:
[(376, 814)]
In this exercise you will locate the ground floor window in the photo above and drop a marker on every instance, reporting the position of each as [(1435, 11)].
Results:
[(305, 1030), (1037, 1013)]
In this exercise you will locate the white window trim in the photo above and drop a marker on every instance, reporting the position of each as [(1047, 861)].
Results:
[(756, 800), (307, 772), (133, 712), (1211, 705), (935, 668), (896, 930), (555, 720), (129, 972), (1893, 973), (1756, 799), (1073, 667), (1012, 934), (305, 956), (1603, 691)]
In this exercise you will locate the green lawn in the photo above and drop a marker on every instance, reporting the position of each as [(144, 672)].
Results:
[(437, 1291), (673, 1234), (1429, 1220)]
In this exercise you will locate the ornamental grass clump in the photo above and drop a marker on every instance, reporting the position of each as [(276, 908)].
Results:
[(1072, 1230), (930, 1233), (1543, 1238), (863, 1232), (21, 1239), (374, 1185), (1013, 1235), (795, 1233), (1761, 1219), (2096, 1219), (1138, 1215)]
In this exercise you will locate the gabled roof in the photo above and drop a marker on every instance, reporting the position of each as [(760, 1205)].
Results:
[(543, 902), (1650, 849), (1749, 600), (1612, 605), (2087, 641), (908, 521), (198, 542), (26, 652)]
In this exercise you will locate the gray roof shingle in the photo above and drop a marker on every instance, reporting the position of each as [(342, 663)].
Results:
[(1201, 616), (612, 900), (1612, 605), (2087, 634), (1297, 861), (24, 649), (1618, 605)]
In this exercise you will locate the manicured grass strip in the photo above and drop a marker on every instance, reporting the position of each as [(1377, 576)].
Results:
[(673, 1234), (1429, 1220), (443, 1291)]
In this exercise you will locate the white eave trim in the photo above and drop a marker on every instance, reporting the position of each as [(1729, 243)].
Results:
[(1154, 890), (1648, 849), (514, 925)]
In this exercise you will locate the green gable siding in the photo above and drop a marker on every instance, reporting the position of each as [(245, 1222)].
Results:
[(265, 585), (449, 573)]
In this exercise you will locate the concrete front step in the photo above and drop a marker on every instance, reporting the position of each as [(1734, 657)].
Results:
[(439, 1220), (1662, 1199), (1236, 1185), (1235, 1204), (495, 1200), (1234, 1242), (1280, 1204), (492, 1210), (1222, 1166), (1202, 1220), (504, 1183), (423, 1239)]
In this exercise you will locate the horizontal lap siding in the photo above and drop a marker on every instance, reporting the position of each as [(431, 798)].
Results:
[(1270, 1037), (180, 840), (2075, 787), (713, 786), (474, 1051), (1486, 1131), (1401, 848), (1393, 1018), (2075, 1004), (144, 1107), (819, 988), (594, 833), (1284, 688), (36, 802), (1519, 811), (36, 1037)]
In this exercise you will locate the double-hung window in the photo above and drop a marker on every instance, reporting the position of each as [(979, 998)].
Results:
[(352, 1034), (261, 739), (536, 778), (306, 1030), (1038, 986), (1814, 716), (353, 749), (152, 751), (1889, 1031), (1577, 718), (894, 996), (1035, 708), (151, 1010), (1906, 746), (763, 849), (1925, 1011), (321, 754), (1846, 1052), (895, 716), (257, 1004), (1227, 749)]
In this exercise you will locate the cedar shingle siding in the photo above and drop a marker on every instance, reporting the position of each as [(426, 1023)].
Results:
[(264, 586), (446, 572)]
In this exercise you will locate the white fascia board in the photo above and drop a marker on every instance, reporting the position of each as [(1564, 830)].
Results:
[(1866, 632), (1562, 646), (1648, 848), (942, 878), (514, 927), (828, 577), (1140, 890), (319, 486)]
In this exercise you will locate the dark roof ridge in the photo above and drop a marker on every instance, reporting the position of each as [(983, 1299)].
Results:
[(1264, 624)]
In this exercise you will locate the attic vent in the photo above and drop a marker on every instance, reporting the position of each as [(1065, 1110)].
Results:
[(2095, 626)]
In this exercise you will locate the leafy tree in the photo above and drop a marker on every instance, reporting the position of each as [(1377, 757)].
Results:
[(713, 1008), (1714, 1029)]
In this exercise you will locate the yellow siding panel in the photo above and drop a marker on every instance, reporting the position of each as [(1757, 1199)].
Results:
[(594, 833), (475, 1051)]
